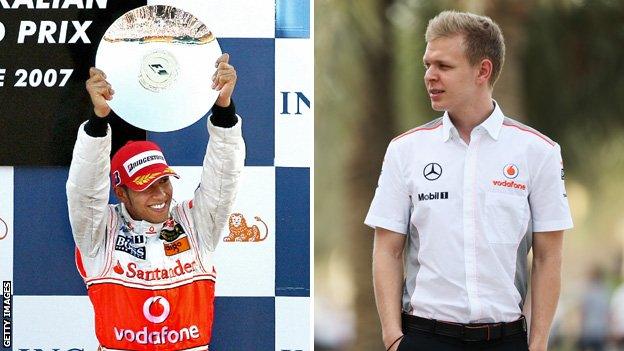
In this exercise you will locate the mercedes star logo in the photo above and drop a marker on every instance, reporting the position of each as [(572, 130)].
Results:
[(432, 171)]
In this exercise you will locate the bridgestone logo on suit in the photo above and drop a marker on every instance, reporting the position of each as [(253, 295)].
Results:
[(433, 196)]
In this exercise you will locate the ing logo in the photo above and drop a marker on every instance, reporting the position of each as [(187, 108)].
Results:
[(4, 229), (300, 98), (240, 232)]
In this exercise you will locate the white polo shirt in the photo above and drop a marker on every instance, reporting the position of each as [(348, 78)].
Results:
[(469, 212)]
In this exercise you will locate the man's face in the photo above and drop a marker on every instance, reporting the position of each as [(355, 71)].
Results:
[(450, 79), (151, 204)]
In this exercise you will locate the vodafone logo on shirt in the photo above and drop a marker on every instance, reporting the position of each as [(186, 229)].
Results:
[(156, 309), (509, 184), (510, 171)]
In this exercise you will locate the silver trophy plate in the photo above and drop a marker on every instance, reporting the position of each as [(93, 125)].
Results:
[(159, 60)]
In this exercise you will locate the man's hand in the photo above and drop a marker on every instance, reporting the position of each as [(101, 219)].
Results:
[(397, 341), (545, 286), (224, 80), (100, 91), (388, 282)]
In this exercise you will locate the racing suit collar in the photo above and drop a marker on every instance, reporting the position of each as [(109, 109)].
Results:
[(139, 227)]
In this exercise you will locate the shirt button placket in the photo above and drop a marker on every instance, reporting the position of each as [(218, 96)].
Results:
[(469, 209)]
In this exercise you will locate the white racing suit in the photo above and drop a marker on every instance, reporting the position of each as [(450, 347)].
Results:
[(151, 284)]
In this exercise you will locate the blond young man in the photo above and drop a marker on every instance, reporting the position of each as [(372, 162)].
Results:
[(465, 197)]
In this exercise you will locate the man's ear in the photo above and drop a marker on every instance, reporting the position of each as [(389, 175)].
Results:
[(121, 193), (485, 71)]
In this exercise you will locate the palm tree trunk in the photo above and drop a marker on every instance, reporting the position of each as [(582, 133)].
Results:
[(370, 138)]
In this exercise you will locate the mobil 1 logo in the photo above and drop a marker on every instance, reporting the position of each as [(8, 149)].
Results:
[(433, 196)]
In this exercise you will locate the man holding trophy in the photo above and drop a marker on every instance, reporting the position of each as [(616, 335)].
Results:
[(148, 262)]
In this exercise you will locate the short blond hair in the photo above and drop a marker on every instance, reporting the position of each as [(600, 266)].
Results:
[(483, 38)]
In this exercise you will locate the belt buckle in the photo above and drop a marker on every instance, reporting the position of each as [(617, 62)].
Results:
[(485, 326), (501, 325), (476, 327)]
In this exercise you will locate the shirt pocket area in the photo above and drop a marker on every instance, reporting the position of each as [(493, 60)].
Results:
[(505, 218)]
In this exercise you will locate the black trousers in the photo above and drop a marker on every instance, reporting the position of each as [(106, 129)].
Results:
[(424, 341)]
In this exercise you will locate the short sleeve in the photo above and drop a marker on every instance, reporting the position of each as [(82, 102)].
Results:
[(548, 198), (390, 208)]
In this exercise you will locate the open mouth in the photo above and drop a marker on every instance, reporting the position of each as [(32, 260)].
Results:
[(157, 207), (435, 94)]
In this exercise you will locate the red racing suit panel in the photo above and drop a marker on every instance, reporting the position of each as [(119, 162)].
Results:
[(151, 284), (189, 327)]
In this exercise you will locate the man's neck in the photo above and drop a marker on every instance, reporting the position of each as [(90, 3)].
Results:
[(466, 119)]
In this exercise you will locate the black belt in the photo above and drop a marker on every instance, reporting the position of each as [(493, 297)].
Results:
[(466, 332)]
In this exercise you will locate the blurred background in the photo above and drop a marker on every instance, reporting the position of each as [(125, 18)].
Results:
[(563, 75)]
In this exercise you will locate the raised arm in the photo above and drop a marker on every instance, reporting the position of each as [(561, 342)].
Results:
[(223, 162), (88, 184)]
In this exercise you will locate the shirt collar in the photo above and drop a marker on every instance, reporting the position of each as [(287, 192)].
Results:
[(492, 124), (138, 227), (447, 126)]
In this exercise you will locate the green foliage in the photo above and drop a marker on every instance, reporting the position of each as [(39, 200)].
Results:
[(574, 78)]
